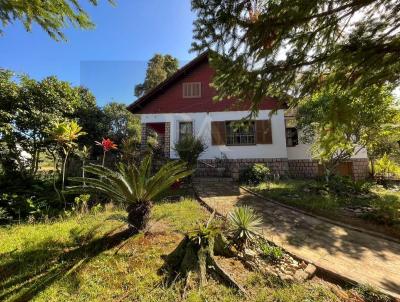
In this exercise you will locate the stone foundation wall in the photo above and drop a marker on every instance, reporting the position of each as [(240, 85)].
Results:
[(303, 168), (233, 167), (143, 145), (307, 168), (167, 136), (360, 168)]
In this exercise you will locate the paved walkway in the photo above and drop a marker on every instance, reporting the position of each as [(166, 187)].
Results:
[(357, 256)]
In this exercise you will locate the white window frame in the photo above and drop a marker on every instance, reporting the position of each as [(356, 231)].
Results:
[(178, 128)]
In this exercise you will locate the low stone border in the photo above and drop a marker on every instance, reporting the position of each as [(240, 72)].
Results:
[(338, 223)]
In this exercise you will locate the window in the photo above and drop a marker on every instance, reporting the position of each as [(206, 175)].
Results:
[(185, 129), (242, 133), (192, 90), (292, 138)]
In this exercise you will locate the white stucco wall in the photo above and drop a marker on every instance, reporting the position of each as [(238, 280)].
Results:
[(202, 128), (303, 151)]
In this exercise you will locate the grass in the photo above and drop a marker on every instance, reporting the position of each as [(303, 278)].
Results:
[(94, 258), (297, 193)]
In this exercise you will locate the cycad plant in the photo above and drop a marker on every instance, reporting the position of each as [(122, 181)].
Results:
[(133, 186), (245, 225)]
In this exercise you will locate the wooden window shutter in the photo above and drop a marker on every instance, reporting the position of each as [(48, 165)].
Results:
[(218, 136), (263, 132)]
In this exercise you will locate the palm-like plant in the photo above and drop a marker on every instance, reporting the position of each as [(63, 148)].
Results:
[(245, 225), (133, 186), (65, 134)]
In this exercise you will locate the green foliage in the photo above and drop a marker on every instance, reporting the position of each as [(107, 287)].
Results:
[(132, 184), (370, 294), (270, 252), (28, 111), (81, 203), (189, 149), (244, 225), (342, 186), (261, 53), (51, 16), (204, 232), (386, 210), (341, 122), (386, 167), (18, 201), (121, 124), (255, 174), (159, 68)]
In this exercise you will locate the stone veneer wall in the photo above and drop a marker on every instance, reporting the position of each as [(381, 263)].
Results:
[(293, 168), (232, 167), (303, 168), (307, 168), (167, 136), (143, 145), (360, 168)]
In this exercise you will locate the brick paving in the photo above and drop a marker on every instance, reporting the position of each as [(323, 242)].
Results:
[(357, 256)]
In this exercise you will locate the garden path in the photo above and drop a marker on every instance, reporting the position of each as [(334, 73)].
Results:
[(354, 255)]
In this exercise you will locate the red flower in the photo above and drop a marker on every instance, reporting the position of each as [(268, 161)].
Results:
[(107, 144)]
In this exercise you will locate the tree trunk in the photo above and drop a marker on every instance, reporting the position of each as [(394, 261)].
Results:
[(139, 214), (372, 167)]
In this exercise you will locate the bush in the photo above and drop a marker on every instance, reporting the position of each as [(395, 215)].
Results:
[(386, 167), (270, 252), (343, 185), (189, 149), (386, 210), (255, 174)]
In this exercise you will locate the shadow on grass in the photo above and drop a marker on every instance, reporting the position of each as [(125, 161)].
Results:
[(27, 273)]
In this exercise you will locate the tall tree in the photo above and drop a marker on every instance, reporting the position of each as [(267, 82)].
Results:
[(51, 15), (28, 111), (91, 117), (159, 68), (340, 123), (268, 47), (122, 124)]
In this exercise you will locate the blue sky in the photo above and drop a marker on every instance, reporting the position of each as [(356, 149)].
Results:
[(111, 58)]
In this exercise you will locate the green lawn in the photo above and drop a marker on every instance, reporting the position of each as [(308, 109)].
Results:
[(305, 194), (92, 258)]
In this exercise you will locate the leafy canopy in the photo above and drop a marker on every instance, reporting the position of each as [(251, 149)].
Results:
[(159, 68), (51, 15), (28, 111), (342, 122), (122, 124), (286, 47)]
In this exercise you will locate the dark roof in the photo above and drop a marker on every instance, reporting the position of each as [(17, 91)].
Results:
[(143, 100)]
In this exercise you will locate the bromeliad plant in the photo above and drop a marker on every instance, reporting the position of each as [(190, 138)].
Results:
[(107, 145), (133, 186), (65, 134), (244, 225)]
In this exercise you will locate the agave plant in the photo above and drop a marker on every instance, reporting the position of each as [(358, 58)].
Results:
[(133, 186), (245, 225)]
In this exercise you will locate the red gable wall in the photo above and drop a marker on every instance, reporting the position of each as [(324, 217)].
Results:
[(170, 100)]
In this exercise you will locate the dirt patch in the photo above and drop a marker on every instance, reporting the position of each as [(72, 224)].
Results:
[(235, 268)]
